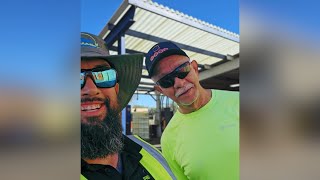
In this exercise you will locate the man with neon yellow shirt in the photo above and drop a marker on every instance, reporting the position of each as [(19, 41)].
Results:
[(201, 140)]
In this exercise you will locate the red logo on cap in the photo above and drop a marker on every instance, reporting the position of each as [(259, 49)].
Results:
[(157, 51)]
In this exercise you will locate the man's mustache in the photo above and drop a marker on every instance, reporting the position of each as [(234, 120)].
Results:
[(83, 100), (105, 101)]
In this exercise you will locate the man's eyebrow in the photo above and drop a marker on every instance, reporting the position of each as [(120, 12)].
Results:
[(101, 65), (97, 67)]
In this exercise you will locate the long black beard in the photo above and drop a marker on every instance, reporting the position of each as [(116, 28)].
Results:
[(102, 138)]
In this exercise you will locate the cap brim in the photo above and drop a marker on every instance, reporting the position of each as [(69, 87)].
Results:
[(129, 70)]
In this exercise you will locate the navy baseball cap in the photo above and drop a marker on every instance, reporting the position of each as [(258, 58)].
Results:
[(160, 51)]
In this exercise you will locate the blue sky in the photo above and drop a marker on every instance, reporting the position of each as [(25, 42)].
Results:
[(39, 40), (222, 13)]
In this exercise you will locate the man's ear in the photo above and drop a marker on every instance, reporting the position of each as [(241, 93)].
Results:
[(194, 64), (116, 87), (158, 88)]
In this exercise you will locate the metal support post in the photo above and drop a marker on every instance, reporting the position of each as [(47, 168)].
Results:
[(158, 113), (121, 45)]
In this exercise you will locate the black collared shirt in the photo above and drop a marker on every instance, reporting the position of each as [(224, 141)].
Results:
[(131, 167)]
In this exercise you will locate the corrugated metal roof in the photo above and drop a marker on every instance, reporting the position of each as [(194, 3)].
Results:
[(153, 22)]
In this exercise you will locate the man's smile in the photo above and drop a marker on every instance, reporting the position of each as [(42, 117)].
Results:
[(93, 109), (90, 107)]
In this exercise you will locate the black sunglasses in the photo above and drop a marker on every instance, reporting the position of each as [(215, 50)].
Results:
[(181, 72), (103, 77)]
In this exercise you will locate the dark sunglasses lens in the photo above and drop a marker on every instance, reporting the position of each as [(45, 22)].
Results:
[(181, 72), (169, 81), (184, 68), (166, 82), (106, 78), (182, 75)]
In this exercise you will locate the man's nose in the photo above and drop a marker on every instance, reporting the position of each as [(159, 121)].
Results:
[(90, 88), (178, 83)]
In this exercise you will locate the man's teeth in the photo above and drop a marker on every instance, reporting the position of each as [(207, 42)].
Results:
[(91, 107)]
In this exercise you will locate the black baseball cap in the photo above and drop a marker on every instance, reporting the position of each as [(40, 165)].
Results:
[(160, 51)]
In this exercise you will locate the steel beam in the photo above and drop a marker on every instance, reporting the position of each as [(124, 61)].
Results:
[(144, 88), (129, 51), (182, 46), (220, 69), (147, 83), (121, 27)]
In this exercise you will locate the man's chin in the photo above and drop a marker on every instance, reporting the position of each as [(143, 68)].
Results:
[(93, 120), (188, 99)]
